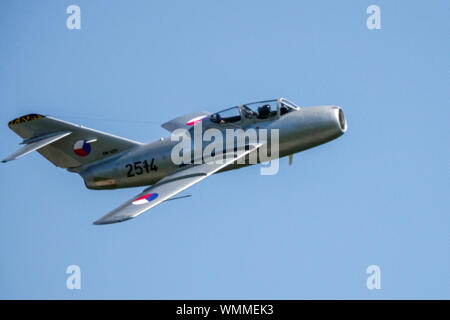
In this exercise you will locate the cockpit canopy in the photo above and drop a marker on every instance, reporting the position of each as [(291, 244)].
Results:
[(255, 111)]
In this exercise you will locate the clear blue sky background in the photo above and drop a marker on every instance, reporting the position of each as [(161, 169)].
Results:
[(377, 195)]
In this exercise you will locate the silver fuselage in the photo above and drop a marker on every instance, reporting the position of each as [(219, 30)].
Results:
[(146, 164)]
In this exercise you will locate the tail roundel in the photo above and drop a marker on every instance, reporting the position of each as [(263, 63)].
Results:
[(65, 144)]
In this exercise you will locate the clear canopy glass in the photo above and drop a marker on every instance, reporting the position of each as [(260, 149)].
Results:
[(261, 110)]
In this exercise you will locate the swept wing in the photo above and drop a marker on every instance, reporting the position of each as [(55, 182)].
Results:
[(170, 186)]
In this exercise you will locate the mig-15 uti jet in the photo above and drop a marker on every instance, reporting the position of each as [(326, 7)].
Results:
[(105, 161)]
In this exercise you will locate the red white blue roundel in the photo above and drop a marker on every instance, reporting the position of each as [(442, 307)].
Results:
[(82, 148), (195, 120), (145, 199)]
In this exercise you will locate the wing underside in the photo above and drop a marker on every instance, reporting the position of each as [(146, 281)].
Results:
[(171, 185)]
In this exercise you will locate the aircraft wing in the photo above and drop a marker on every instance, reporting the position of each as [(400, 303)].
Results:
[(185, 121), (170, 186)]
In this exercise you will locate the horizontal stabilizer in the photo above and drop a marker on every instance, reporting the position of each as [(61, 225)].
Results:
[(36, 143)]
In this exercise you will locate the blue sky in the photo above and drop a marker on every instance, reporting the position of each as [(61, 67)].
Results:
[(377, 195)]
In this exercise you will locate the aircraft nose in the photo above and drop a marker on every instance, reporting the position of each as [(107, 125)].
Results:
[(313, 126)]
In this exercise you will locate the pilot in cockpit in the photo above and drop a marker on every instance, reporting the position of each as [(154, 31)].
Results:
[(217, 118), (248, 113), (264, 111)]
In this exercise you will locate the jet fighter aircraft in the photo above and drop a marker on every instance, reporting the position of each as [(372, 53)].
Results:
[(105, 161)]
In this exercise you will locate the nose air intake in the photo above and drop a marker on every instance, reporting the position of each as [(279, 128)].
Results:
[(342, 121)]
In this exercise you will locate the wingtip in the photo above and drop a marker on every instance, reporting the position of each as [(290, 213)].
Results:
[(102, 222), (110, 221)]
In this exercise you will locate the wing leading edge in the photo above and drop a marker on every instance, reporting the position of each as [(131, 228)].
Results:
[(170, 186)]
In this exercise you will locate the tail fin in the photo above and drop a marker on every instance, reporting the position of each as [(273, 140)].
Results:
[(65, 144)]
